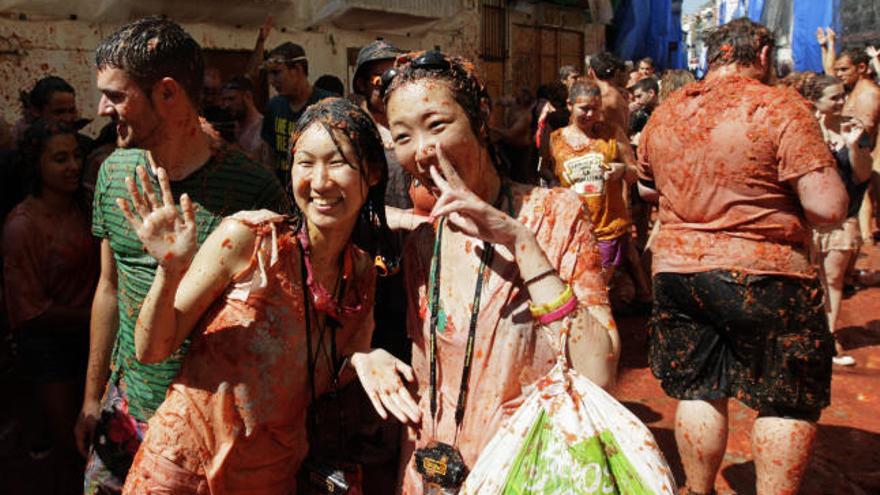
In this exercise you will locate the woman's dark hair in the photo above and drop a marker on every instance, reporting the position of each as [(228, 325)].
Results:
[(606, 65), (30, 151), (583, 88), (460, 75), (39, 97), (331, 84), (810, 85), (344, 120), (673, 80)]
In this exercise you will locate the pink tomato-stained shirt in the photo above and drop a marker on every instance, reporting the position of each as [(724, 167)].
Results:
[(236, 414), (49, 259), (510, 350)]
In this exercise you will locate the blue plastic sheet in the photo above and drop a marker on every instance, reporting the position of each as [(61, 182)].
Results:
[(808, 16), (756, 10), (645, 29), (631, 18)]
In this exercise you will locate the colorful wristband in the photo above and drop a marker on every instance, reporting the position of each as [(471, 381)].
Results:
[(560, 312), (543, 309)]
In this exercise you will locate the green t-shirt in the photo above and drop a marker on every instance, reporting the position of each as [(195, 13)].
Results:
[(229, 182)]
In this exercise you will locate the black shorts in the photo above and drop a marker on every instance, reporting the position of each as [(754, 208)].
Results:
[(761, 339)]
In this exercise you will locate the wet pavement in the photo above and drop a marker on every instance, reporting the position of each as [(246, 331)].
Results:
[(846, 459)]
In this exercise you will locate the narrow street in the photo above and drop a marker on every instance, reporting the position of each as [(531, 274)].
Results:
[(846, 459)]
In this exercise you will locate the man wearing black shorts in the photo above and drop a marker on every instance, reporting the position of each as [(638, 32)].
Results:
[(740, 170)]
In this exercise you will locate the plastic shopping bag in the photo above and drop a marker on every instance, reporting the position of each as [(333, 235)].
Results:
[(570, 437)]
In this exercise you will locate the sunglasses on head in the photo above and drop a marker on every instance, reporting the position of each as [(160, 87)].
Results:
[(430, 60)]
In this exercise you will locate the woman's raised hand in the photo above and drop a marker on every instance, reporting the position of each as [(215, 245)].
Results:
[(851, 130), (467, 212), (168, 236), (379, 373), (820, 36)]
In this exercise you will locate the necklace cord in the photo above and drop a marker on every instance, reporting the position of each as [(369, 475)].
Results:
[(485, 262), (311, 358)]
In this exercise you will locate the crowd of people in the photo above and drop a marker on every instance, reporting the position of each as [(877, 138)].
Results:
[(213, 297)]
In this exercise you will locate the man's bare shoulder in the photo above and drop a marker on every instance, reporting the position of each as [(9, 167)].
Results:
[(867, 87), (864, 103)]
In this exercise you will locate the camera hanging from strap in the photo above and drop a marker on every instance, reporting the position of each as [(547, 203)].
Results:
[(441, 465)]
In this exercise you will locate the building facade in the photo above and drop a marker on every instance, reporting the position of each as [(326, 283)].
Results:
[(514, 43)]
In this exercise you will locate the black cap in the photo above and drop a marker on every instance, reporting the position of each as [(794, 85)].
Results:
[(376, 51)]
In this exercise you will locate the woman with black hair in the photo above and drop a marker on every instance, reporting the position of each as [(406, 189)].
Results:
[(504, 272), (50, 268), (275, 306)]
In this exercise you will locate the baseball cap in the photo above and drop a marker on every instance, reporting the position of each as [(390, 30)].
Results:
[(374, 52)]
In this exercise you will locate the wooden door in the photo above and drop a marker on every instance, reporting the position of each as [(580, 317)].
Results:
[(539, 52)]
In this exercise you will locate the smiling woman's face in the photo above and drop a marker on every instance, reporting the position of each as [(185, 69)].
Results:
[(61, 164), (423, 115), (327, 187)]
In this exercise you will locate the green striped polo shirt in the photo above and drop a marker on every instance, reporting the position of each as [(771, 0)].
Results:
[(229, 182)]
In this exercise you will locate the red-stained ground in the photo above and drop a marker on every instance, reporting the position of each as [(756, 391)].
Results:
[(847, 453), (846, 459)]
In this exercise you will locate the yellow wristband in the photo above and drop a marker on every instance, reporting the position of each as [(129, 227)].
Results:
[(542, 309)]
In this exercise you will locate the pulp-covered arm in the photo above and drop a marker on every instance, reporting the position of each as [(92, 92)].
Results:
[(593, 345), (186, 282)]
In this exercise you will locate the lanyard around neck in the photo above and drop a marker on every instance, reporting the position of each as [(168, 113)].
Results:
[(308, 309), (485, 261)]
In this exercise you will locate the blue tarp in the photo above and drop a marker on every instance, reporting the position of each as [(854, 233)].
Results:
[(632, 20), (808, 16), (645, 29), (678, 57), (756, 10)]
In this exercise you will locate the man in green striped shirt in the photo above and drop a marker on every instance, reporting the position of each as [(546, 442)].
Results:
[(150, 75)]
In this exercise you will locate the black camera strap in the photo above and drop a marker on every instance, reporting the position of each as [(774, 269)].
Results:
[(312, 356), (485, 262)]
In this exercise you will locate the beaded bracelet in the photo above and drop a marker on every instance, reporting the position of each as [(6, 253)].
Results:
[(543, 309), (560, 312)]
